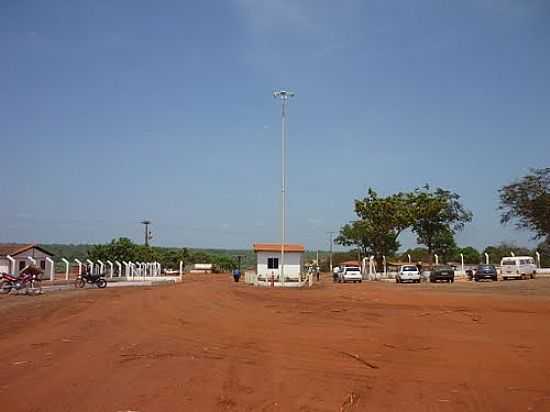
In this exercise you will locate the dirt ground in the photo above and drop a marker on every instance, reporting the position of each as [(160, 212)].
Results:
[(209, 344)]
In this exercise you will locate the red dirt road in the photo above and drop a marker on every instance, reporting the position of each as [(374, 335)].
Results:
[(212, 345)]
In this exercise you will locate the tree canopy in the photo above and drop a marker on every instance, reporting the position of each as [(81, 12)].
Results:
[(497, 252), (437, 216), (380, 222), (434, 216), (527, 203), (123, 249), (471, 255)]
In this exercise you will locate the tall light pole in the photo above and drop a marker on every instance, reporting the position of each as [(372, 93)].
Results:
[(148, 235), (331, 234), (283, 95)]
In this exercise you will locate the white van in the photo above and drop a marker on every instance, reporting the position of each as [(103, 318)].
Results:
[(520, 267)]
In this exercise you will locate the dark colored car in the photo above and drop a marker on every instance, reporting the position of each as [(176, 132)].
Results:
[(442, 272), (486, 272)]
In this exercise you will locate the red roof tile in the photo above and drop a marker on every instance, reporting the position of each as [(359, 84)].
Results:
[(276, 247), (13, 249)]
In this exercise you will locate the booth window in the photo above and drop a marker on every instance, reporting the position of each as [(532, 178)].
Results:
[(273, 263)]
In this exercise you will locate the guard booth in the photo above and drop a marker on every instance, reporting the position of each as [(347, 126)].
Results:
[(269, 261)]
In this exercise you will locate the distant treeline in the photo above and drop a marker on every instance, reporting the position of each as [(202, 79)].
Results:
[(124, 249), (225, 259)]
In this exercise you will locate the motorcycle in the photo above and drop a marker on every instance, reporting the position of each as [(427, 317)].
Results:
[(29, 281), (98, 280)]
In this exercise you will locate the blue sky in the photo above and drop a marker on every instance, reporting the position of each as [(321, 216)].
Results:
[(116, 111)]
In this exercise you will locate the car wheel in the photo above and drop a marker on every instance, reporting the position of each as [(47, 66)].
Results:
[(495, 279), (396, 280), (532, 276), (452, 280)]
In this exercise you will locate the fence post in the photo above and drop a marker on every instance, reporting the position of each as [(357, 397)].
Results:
[(66, 268), (101, 265), (91, 265), (79, 266), (52, 267), (12, 261)]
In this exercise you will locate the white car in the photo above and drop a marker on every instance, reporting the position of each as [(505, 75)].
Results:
[(408, 273), (520, 267), (350, 274)]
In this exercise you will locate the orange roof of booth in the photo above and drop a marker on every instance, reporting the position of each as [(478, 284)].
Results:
[(276, 247)]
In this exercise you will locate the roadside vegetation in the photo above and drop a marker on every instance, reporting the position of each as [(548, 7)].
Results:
[(436, 215)]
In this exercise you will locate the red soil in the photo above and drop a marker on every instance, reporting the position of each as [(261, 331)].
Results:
[(209, 344)]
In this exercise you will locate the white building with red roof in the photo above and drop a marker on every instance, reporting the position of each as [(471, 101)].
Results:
[(14, 257), (269, 264)]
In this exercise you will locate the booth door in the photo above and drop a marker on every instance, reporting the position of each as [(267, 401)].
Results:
[(272, 267)]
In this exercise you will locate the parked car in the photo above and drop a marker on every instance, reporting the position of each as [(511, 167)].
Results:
[(442, 272), (350, 274), (519, 267), (485, 272), (408, 273)]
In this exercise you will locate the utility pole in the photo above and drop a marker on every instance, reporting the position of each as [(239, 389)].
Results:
[(239, 258), (283, 95), (331, 234), (148, 234)]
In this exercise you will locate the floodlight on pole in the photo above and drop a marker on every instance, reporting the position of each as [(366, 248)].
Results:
[(283, 95)]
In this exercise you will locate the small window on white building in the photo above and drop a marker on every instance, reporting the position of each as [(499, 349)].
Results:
[(43, 264), (273, 263), (22, 265)]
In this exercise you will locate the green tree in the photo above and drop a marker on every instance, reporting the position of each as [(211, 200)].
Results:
[(171, 258), (418, 254), (527, 203), (438, 215), (471, 255), (497, 252), (544, 249), (444, 245), (122, 249), (380, 222), (355, 234)]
